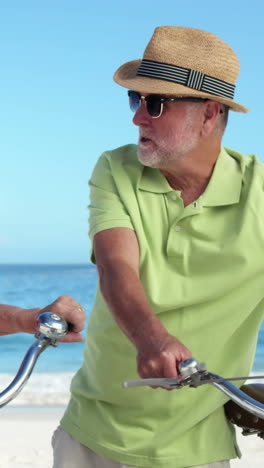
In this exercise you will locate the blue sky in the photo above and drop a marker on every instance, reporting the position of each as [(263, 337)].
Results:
[(60, 109)]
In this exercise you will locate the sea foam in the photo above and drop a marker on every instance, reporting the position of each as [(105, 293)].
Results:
[(41, 389)]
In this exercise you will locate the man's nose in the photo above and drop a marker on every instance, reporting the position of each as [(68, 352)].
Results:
[(141, 116)]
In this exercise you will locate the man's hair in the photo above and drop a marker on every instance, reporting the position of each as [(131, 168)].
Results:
[(223, 117)]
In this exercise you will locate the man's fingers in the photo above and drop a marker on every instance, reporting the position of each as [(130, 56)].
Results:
[(70, 310), (170, 367), (72, 337)]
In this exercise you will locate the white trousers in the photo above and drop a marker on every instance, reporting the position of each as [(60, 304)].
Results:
[(69, 453)]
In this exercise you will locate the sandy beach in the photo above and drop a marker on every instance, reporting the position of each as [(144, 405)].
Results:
[(26, 433), (25, 436)]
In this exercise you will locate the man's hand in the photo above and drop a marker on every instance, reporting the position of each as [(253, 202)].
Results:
[(72, 312), (65, 306), (161, 359), (15, 319)]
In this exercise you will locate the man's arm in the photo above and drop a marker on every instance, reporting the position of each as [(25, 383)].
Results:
[(16, 319), (117, 258)]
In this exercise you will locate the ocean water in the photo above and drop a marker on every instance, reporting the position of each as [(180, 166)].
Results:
[(36, 286)]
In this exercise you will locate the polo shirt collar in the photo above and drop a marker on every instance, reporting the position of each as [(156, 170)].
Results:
[(152, 180), (223, 189), (225, 184)]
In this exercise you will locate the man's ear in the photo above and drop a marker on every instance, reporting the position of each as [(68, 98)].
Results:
[(210, 116)]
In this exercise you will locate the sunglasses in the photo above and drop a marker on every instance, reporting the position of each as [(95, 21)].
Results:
[(154, 102)]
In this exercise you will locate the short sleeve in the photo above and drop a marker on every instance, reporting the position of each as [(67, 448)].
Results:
[(106, 209)]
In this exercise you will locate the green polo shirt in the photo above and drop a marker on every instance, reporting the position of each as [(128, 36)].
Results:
[(202, 269)]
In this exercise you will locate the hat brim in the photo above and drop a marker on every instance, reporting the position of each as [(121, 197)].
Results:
[(126, 76)]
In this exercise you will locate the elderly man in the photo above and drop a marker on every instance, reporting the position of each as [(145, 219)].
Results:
[(171, 221)]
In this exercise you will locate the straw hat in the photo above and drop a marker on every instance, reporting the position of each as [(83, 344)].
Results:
[(183, 61)]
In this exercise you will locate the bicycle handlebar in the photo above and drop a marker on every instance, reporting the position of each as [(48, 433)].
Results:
[(195, 374), (50, 328)]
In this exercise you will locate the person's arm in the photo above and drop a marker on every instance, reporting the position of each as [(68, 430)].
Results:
[(117, 258), (16, 319)]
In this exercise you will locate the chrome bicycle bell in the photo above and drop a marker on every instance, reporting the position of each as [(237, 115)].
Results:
[(51, 326), (191, 366)]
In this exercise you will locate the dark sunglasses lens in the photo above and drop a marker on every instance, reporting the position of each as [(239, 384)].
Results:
[(134, 100), (153, 105)]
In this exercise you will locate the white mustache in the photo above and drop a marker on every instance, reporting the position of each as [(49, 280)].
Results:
[(146, 136)]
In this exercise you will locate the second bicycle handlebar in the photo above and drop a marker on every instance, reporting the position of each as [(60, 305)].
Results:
[(195, 374), (50, 328)]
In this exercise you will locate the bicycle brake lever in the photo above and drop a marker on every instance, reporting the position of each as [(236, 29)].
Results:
[(213, 378)]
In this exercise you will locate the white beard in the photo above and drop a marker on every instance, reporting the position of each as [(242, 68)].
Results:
[(161, 153)]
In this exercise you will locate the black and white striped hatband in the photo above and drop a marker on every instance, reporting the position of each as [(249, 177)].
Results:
[(186, 77)]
